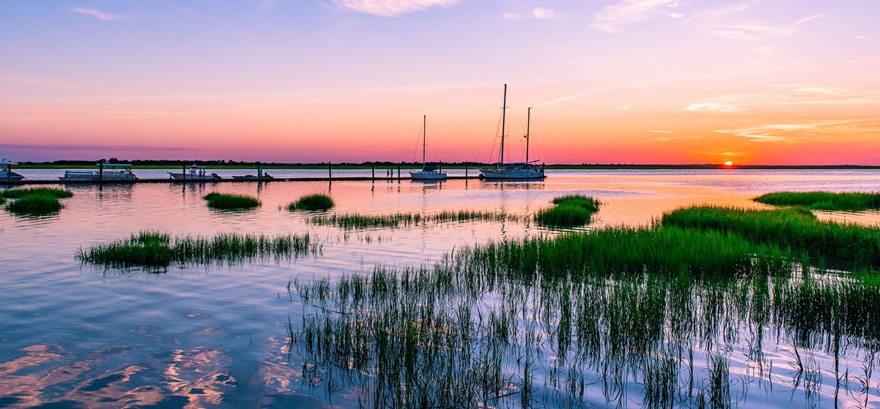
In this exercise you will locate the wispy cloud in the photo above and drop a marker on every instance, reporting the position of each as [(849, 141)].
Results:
[(390, 8), (754, 30), (797, 132), (675, 138), (790, 95), (98, 14), (539, 13), (766, 133), (713, 107), (625, 12)]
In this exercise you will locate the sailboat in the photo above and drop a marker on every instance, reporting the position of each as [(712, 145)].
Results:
[(428, 172), (518, 170)]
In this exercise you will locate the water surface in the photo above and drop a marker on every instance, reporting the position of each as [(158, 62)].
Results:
[(215, 336)]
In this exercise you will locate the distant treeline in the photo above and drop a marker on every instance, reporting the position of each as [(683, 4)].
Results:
[(390, 164)]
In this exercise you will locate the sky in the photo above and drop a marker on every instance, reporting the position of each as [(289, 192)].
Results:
[(754, 82)]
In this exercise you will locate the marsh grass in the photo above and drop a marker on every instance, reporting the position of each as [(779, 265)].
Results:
[(223, 201), (459, 335), (622, 312), (354, 221), (154, 249), (795, 229), (34, 201), (312, 202), (568, 211), (823, 200), (34, 205), (21, 192)]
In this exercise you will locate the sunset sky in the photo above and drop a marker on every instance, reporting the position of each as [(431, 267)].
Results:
[(776, 82)]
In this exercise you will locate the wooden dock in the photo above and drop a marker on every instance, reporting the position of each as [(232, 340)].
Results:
[(26, 182)]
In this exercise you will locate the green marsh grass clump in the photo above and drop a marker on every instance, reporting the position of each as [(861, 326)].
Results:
[(793, 229), (48, 191), (154, 249), (470, 331), (224, 201), (35, 201), (628, 252), (312, 202), (568, 211), (624, 312), (34, 205), (823, 200), (354, 221)]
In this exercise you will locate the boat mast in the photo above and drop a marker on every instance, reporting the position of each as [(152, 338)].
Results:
[(424, 138), (528, 122), (503, 119)]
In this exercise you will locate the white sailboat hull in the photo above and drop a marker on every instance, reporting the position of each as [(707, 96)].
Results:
[(528, 172), (427, 175)]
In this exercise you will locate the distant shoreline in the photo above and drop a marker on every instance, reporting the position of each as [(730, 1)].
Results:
[(220, 164)]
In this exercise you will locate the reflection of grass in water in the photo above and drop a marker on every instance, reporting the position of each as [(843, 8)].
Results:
[(50, 191), (823, 200), (312, 202), (155, 249), (354, 221), (568, 211), (796, 229), (621, 310), (224, 201)]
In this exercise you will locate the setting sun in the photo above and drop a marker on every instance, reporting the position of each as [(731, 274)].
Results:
[(728, 163)]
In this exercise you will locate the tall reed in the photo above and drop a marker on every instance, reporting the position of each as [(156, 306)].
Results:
[(355, 221), (155, 249), (795, 229), (621, 311)]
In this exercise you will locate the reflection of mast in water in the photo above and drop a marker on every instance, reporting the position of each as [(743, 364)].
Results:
[(503, 209), (424, 217)]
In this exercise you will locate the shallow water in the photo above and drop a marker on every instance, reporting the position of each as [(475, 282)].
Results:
[(76, 336)]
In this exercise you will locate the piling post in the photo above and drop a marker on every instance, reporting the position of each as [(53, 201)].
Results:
[(398, 173), (329, 171), (373, 172), (101, 170)]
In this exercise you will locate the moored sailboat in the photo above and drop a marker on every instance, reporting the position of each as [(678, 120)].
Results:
[(518, 170), (428, 172)]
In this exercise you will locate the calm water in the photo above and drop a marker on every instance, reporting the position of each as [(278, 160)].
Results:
[(215, 336)]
